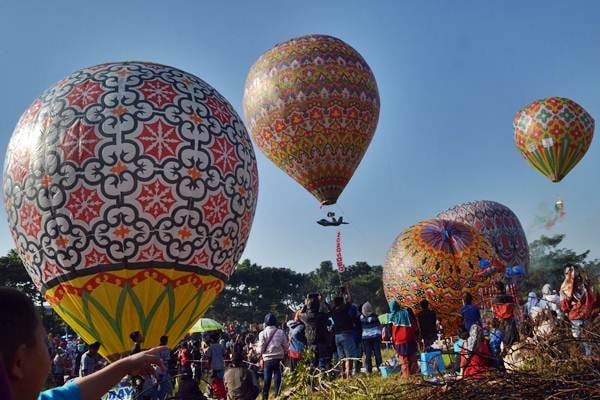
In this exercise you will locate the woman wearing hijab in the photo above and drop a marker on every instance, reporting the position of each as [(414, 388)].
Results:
[(533, 306), (404, 337), (371, 335), (272, 346), (550, 300), (475, 356)]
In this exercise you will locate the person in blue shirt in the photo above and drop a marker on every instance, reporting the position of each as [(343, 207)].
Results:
[(469, 312), (496, 338), (25, 362)]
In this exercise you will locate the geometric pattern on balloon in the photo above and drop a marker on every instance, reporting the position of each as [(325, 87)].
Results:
[(129, 166), (437, 260), (553, 135), (312, 106), (498, 224)]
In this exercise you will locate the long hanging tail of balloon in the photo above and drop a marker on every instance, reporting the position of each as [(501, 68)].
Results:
[(338, 252)]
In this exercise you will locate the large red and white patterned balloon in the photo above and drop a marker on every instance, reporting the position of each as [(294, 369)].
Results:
[(498, 224), (130, 189)]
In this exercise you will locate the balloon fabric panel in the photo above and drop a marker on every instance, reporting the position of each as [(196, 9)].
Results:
[(124, 169), (312, 106)]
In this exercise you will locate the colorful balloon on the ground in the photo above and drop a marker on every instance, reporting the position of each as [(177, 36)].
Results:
[(312, 106), (498, 224), (553, 134), (437, 260), (130, 190)]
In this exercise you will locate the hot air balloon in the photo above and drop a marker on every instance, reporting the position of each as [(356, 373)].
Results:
[(498, 224), (553, 134), (130, 189), (312, 107), (437, 260)]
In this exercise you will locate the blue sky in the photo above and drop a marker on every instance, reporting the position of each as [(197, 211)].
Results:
[(451, 76)]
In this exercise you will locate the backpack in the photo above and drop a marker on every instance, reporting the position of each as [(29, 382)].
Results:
[(310, 334)]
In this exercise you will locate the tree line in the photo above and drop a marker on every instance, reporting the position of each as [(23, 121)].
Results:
[(253, 290)]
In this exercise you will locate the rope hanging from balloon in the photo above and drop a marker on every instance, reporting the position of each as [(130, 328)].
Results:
[(338, 252)]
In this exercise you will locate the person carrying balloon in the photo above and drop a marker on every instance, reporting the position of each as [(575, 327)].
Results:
[(25, 362)]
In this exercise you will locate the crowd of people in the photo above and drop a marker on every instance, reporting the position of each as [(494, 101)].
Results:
[(340, 339)]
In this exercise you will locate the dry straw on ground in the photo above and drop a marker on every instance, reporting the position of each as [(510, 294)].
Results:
[(549, 368)]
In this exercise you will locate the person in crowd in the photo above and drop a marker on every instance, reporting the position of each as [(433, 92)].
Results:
[(469, 312), (404, 337), (371, 336), (195, 358), (81, 349), (59, 364), (240, 382), (315, 331), (503, 307), (91, 360), (544, 324), (427, 324), (216, 358), (26, 363), (496, 337), (163, 377), (272, 346), (551, 300), (137, 338), (579, 301), (343, 326), (475, 355), (355, 313), (297, 340), (532, 305), (458, 346)]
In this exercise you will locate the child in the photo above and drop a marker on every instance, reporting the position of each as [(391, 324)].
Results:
[(26, 361), (463, 335)]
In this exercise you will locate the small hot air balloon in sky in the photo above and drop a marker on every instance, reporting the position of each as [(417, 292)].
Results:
[(130, 190), (437, 260), (553, 135), (498, 224), (312, 106)]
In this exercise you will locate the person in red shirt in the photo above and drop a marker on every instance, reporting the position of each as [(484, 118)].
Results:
[(503, 306), (475, 356), (404, 337)]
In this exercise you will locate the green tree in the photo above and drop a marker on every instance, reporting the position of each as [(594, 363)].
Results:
[(13, 274), (547, 262), (252, 291)]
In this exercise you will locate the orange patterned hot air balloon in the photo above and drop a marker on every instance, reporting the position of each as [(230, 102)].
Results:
[(130, 190), (437, 260), (553, 134), (312, 106)]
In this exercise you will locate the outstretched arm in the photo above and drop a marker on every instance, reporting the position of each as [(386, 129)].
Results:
[(96, 385)]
